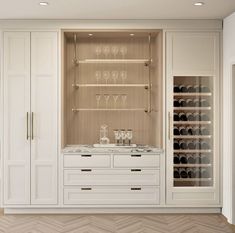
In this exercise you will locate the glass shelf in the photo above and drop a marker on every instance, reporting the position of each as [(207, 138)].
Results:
[(192, 151), (192, 136), (192, 108), (115, 61), (192, 179), (192, 165), (193, 94), (111, 109), (192, 122), (146, 86)]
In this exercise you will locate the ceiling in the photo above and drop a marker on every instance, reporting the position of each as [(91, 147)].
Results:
[(115, 9)]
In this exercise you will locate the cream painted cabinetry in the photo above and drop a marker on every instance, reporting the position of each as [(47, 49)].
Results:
[(30, 118), (193, 118)]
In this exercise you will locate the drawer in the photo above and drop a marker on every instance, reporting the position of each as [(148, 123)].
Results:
[(112, 195), (111, 177), (87, 160), (136, 160)]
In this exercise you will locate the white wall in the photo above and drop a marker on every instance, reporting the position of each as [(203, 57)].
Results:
[(229, 119)]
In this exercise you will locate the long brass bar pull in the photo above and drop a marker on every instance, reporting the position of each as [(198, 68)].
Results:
[(32, 126), (27, 125)]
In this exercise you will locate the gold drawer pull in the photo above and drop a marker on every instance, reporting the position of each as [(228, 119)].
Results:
[(83, 189), (86, 170), (136, 170), (135, 189)]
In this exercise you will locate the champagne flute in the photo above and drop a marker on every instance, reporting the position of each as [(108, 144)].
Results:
[(124, 98), (98, 97), (114, 50), (106, 51), (106, 75), (129, 136), (106, 97), (114, 75), (123, 75), (123, 51), (98, 51), (98, 76), (115, 98)]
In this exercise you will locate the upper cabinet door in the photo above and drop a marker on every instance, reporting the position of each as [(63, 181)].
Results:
[(44, 107), (16, 118), (193, 53)]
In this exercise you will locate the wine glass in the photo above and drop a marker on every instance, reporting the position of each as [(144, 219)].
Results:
[(98, 51), (106, 51), (98, 76), (114, 75), (106, 75), (123, 135), (129, 136), (123, 51), (114, 50), (98, 97), (124, 97), (117, 136), (123, 75), (106, 97), (115, 98)]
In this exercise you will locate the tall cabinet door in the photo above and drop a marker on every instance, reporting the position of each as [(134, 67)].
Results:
[(16, 118), (193, 105), (44, 112)]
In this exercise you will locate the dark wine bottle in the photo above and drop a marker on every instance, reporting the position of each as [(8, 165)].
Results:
[(190, 158), (183, 173), (205, 173), (176, 117), (204, 89), (191, 145), (183, 88), (189, 103), (183, 159), (176, 145), (183, 130), (205, 159), (176, 103), (183, 145), (197, 116), (205, 145), (191, 172), (189, 129), (176, 159), (204, 117), (176, 131), (182, 116), (204, 103), (176, 89), (198, 159), (176, 173), (190, 116), (182, 103), (191, 88), (204, 131)]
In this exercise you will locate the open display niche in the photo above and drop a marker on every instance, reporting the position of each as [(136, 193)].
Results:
[(112, 78)]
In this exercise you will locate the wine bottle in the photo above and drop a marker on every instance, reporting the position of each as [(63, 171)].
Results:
[(190, 159), (176, 103), (204, 117), (191, 88), (204, 145), (183, 173), (197, 173), (205, 173), (182, 103), (196, 103), (197, 145), (189, 103), (176, 173), (198, 159), (204, 103), (182, 116), (176, 159), (183, 145), (176, 89), (183, 88), (197, 116), (204, 131), (189, 129), (205, 159), (183, 130), (190, 116), (176, 131), (191, 172), (176, 145), (176, 117), (196, 130), (196, 88), (183, 159), (191, 145), (204, 89)]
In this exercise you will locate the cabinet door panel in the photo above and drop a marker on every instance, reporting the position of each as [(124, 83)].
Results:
[(16, 106), (44, 82)]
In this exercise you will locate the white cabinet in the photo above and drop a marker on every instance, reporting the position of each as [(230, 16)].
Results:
[(30, 118), (193, 105)]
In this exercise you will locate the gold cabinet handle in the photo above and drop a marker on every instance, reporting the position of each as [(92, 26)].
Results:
[(32, 125), (27, 125)]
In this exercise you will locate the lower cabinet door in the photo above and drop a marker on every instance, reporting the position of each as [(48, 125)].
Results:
[(103, 195)]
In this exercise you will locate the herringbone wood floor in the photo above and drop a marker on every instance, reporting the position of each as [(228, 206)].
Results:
[(126, 223)]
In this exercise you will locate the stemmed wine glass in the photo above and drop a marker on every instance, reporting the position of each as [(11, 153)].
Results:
[(114, 50), (98, 97), (98, 51), (98, 76), (117, 136), (124, 97), (106, 51), (114, 75), (106, 75), (123, 75), (129, 135), (123, 51), (106, 97), (115, 98), (123, 135)]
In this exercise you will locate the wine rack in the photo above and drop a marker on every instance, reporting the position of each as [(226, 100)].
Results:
[(193, 131)]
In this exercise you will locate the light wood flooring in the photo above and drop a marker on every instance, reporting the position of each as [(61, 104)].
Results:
[(120, 223)]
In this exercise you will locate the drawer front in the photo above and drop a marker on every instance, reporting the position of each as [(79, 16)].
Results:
[(129, 195), (136, 160), (111, 177), (89, 161)]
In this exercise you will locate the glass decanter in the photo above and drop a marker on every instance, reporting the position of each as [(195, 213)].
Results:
[(104, 135)]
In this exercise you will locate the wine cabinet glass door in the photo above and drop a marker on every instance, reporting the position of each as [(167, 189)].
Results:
[(192, 131)]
